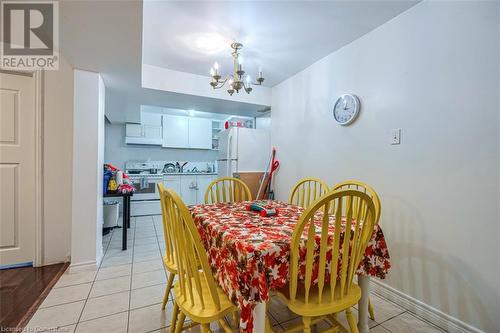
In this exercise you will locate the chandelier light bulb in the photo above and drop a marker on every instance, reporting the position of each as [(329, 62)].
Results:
[(238, 79)]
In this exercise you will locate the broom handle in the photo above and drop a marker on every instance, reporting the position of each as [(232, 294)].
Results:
[(264, 177)]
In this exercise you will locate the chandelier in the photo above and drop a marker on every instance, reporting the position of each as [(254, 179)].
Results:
[(238, 80)]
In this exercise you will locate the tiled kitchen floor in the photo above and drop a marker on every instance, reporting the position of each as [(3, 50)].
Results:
[(125, 294)]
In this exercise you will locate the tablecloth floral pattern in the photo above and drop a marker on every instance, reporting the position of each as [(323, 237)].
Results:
[(249, 254)]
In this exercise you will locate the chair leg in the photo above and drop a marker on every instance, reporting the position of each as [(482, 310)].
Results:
[(236, 320), (167, 291), (371, 311), (205, 328), (175, 313), (352, 322), (307, 324), (180, 322)]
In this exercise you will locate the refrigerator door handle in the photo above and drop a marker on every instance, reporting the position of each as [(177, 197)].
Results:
[(227, 159)]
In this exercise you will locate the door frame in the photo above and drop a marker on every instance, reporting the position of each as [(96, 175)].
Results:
[(38, 90)]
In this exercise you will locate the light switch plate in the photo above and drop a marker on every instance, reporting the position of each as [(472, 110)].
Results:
[(396, 136)]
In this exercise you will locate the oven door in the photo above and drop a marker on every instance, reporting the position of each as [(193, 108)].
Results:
[(145, 187)]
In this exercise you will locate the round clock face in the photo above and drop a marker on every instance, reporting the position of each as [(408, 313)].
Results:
[(346, 109)]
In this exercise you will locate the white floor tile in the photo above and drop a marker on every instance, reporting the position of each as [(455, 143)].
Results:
[(67, 294), (114, 271), (384, 309), (408, 323), (150, 318), (72, 277), (148, 279), (147, 255), (147, 296), (106, 305), (56, 316), (110, 286), (147, 266), (116, 261), (147, 240), (112, 324)]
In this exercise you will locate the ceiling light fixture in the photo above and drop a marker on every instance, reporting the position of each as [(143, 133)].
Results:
[(238, 79)]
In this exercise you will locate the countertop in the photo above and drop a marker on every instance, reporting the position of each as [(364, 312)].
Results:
[(188, 173)]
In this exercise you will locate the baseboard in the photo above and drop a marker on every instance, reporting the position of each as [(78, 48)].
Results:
[(93, 264), (427, 312)]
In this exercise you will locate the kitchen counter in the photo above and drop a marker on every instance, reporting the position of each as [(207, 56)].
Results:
[(189, 173)]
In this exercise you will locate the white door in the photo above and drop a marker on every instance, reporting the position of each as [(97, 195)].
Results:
[(17, 169), (200, 133), (175, 131)]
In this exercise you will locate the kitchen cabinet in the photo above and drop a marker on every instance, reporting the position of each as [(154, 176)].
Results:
[(151, 119), (143, 134), (175, 131), (133, 130), (200, 133), (203, 181), (189, 189), (187, 132), (172, 182)]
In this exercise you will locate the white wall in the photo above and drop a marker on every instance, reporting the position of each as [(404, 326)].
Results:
[(88, 159), (57, 163), (432, 71), (117, 152)]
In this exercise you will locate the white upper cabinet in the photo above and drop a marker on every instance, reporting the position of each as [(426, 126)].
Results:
[(133, 130), (187, 132), (175, 131), (151, 119), (200, 133)]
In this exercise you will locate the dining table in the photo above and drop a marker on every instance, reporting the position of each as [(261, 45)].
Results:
[(249, 256)]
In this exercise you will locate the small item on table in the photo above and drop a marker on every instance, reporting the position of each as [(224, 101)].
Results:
[(264, 212)]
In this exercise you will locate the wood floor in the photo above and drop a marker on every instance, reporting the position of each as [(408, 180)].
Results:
[(22, 290)]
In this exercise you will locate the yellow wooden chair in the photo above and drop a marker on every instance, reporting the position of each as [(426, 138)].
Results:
[(227, 189), (168, 258), (197, 295), (306, 191), (324, 300), (365, 188)]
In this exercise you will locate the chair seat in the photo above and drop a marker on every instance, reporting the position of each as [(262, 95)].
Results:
[(170, 265), (209, 312), (313, 308)]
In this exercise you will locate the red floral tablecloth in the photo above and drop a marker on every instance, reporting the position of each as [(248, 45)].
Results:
[(249, 254)]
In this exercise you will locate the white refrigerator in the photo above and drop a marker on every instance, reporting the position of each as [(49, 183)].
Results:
[(243, 150)]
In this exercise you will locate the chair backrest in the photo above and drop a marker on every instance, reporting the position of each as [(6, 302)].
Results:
[(167, 231), (349, 211), (306, 191), (365, 188), (227, 189), (196, 282)]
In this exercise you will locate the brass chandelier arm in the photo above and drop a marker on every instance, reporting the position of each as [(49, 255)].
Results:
[(237, 78)]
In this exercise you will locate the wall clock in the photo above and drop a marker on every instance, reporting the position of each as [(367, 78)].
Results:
[(346, 109)]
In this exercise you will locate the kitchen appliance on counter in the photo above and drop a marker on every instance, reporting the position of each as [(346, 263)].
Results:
[(243, 150), (145, 176)]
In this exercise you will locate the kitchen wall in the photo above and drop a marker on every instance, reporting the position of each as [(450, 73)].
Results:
[(117, 152), (88, 158), (57, 162), (434, 72)]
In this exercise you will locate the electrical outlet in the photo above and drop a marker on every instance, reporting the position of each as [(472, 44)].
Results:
[(396, 136)]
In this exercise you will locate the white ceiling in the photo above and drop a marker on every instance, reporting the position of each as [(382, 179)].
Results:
[(283, 37)]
